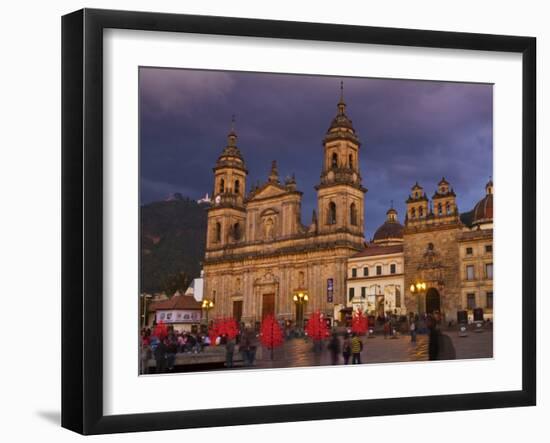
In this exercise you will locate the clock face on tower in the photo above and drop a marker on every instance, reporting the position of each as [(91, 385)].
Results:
[(218, 199)]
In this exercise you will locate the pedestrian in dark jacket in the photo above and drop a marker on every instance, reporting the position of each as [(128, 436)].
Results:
[(346, 351), (334, 348), (229, 350), (160, 357)]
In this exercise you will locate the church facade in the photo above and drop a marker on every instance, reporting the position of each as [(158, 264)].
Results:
[(260, 259)]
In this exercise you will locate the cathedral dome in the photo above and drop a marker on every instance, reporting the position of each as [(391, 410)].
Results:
[(483, 210), (391, 230)]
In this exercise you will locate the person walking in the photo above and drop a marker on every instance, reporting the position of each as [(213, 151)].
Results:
[(334, 348), (229, 350), (356, 348), (386, 329), (412, 328), (346, 352), (160, 357)]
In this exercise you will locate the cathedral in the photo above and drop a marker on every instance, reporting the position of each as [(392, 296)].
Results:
[(260, 259)]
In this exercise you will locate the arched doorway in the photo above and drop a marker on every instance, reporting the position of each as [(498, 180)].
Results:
[(433, 301)]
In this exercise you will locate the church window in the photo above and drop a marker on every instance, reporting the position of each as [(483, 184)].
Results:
[(439, 209), (413, 213), (331, 213), (222, 186), (334, 160), (351, 161), (237, 187), (237, 231), (218, 232), (421, 211), (353, 214), (448, 208)]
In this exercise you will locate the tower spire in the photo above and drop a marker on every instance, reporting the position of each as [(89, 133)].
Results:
[(341, 103), (232, 136)]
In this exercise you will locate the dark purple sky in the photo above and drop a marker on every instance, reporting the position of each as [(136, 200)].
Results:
[(410, 131)]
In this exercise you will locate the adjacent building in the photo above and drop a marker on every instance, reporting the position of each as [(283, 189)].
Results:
[(375, 279)]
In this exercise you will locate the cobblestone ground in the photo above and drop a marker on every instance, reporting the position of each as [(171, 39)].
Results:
[(299, 352)]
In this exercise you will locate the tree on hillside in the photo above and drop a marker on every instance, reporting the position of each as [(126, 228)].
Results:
[(175, 282)]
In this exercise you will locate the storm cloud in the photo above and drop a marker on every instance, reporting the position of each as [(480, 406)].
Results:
[(410, 131)]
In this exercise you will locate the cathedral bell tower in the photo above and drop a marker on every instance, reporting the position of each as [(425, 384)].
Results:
[(340, 195), (226, 216)]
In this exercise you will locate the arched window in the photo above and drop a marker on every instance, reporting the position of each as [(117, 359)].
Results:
[(237, 231), (222, 185), (350, 161), (331, 213), (421, 211), (334, 160), (353, 214), (439, 209), (237, 187), (448, 208), (218, 232), (413, 213)]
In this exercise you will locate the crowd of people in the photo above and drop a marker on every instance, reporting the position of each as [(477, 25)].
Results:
[(347, 348)]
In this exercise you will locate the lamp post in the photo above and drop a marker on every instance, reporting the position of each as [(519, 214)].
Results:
[(417, 288), (207, 305), (300, 299), (145, 298)]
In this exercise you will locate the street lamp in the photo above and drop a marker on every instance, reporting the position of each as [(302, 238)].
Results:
[(300, 298), (207, 305), (417, 288), (145, 297)]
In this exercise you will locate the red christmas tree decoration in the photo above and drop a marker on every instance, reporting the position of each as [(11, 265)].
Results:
[(271, 333), (160, 331), (359, 322), (317, 328), (223, 326)]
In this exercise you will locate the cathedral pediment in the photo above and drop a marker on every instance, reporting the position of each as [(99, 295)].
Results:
[(269, 190)]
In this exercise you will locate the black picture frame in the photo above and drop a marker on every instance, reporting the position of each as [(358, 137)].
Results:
[(82, 219)]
